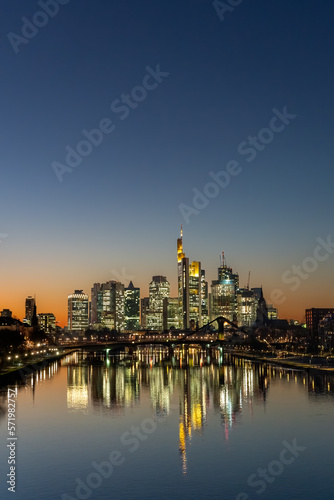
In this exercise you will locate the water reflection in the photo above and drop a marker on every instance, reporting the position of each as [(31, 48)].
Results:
[(186, 382)]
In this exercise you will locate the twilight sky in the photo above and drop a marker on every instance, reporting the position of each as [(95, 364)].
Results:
[(120, 207)]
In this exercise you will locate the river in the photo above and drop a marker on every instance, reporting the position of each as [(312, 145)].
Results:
[(109, 426)]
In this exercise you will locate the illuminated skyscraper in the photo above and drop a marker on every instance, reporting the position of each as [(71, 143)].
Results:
[(246, 307), (195, 293), (223, 293), (107, 305), (144, 308), (131, 307), (204, 299), (173, 320), (29, 307), (77, 311), (183, 284), (159, 289)]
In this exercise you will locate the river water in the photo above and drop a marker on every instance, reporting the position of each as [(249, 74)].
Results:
[(107, 426)]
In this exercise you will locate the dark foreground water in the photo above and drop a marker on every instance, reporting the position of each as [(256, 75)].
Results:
[(191, 427)]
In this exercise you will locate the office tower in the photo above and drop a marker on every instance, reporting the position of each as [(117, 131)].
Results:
[(173, 319), (144, 308), (314, 316), (78, 311), (272, 312), (107, 305), (183, 284), (262, 310), (131, 307), (204, 299), (246, 307), (189, 283), (223, 293), (29, 309), (47, 322), (159, 289), (195, 294)]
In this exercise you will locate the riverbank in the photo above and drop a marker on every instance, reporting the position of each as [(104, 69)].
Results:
[(29, 367), (284, 363)]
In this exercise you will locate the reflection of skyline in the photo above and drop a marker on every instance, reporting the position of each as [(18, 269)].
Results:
[(204, 386)]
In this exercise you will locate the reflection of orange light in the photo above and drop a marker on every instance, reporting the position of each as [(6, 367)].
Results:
[(182, 446), (197, 416)]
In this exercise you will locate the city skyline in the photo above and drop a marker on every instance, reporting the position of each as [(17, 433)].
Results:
[(61, 314)]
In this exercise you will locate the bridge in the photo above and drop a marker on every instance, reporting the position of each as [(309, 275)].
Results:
[(199, 337)]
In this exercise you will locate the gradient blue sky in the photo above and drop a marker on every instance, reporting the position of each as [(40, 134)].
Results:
[(119, 207)]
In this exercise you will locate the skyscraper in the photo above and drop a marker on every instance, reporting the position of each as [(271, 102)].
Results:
[(107, 305), (195, 293), (29, 309), (77, 311), (204, 299), (183, 284), (132, 307), (223, 293), (246, 307), (159, 290)]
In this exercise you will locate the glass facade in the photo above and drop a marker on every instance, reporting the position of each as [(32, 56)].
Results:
[(78, 311), (195, 293), (132, 307), (107, 305), (159, 290), (246, 307)]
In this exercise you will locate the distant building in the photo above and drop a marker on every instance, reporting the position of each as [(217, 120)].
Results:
[(262, 310), (173, 319), (191, 285), (314, 316), (144, 308), (156, 316), (29, 309), (326, 332), (132, 307), (224, 293), (183, 284), (47, 322), (6, 313), (246, 307), (195, 293), (272, 312), (204, 299), (77, 311), (107, 309)]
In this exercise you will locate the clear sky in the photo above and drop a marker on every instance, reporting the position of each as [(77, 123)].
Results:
[(120, 207)]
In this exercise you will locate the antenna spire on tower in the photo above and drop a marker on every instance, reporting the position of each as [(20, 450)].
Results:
[(181, 233)]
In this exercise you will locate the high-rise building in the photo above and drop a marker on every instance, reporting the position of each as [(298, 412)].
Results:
[(107, 305), (78, 311), (173, 319), (156, 317), (224, 293), (47, 322), (262, 310), (195, 293), (132, 307), (314, 316), (144, 308), (204, 299), (183, 284), (29, 309), (246, 307)]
